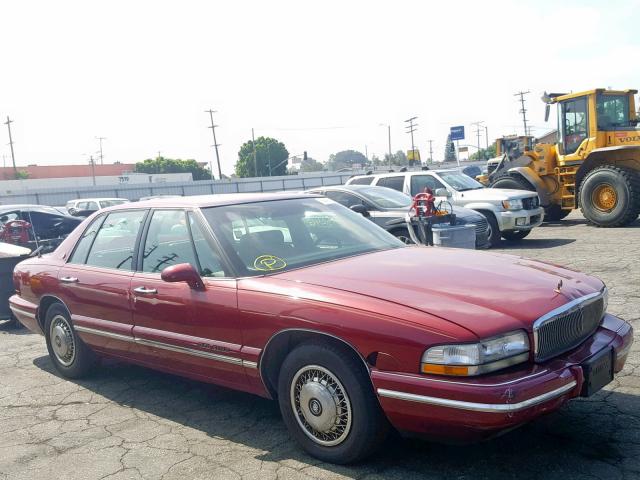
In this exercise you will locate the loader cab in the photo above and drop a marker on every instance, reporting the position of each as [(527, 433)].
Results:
[(594, 119)]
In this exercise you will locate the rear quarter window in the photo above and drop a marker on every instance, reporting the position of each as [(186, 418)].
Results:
[(396, 182), (361, 181)]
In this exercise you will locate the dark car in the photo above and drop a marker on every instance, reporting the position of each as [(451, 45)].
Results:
[(472, 171), (385, 206), (297, 298), (32, 226)]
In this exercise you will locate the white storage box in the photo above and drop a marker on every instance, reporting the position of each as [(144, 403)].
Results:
[(458, 236)]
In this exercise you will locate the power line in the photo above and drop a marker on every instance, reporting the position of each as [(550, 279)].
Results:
[(523, 110), (478, 126), (215, 144), (13, 158)]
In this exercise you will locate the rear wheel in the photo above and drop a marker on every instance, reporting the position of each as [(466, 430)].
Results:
[(328, 405), (402, 234), (69, 354), (610, 196), (555, 213)]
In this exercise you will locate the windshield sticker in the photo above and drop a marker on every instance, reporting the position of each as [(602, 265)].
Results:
[(268, 263)]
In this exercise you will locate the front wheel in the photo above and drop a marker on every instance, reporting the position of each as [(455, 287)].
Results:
[(69, 354), (328, 404), (610, 196), (515, 235), (493, 230), (555, 213)]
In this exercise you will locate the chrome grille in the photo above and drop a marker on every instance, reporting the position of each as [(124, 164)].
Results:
[(560, 331)]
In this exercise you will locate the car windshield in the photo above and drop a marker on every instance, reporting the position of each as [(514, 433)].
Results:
[(385, 197), (460, 181), (274, 236)]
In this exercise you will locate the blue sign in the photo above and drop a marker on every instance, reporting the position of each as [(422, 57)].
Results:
[(457, 133)]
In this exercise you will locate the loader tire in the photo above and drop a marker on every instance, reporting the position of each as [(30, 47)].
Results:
[(554, 213), (610, 196), (513, 182)]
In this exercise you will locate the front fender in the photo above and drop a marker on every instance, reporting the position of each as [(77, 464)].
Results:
[(534, 179)]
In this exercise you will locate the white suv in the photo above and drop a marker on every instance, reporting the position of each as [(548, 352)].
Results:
[(511, 214)]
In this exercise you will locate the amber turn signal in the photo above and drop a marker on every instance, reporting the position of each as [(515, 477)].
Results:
[(445, 369)]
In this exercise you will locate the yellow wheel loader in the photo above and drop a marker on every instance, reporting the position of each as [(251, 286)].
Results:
[(594, 164)]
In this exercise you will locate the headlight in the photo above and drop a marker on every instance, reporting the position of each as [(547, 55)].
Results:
[(477, 358), (512, 204)]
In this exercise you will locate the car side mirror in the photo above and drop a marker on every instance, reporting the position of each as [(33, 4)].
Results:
[(183, 272), (361, 209), (442, 192)]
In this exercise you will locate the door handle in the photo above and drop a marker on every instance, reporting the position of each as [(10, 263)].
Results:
[(68, 279), (145, 290)]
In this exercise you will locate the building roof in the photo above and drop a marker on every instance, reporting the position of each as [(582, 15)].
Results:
[(65, 171)]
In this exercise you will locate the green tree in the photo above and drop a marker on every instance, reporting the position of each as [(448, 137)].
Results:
[(346, 159), (170, 165), (311, 165), (449, 150), (485, 153), (22, 175), (271, 158), (399, 158)]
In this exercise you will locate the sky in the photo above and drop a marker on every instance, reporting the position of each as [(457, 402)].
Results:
[(319, 76)]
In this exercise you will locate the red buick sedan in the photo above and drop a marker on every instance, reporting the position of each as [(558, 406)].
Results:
[(296, 298)]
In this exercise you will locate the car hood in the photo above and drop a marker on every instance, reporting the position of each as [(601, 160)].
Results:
[(496, 194), (486, 293)]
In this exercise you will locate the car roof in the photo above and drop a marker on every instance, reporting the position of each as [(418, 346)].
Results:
[(24, 206), (213, 200), (354, 188), (98, 199), (398, 174)]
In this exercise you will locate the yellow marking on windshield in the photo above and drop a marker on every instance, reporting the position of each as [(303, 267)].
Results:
[(267, 263)]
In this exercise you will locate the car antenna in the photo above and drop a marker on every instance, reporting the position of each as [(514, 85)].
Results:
[(35, 237)]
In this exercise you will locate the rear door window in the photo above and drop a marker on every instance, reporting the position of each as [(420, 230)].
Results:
[(343, 198), (115, 242), (83, 246), (420, 182), (396, 182)]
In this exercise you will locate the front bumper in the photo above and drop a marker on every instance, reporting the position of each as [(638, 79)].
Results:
[(468, 409), (520, 219)]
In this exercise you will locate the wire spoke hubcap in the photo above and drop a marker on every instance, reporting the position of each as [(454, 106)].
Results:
[(321, 405), (62, 341), (604, 197)]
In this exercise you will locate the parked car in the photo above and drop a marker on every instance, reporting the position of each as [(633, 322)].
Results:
[(83, 207), (348, 328), (153, 197), (472, 171), (10, 256), (31, 226), (511, 214), (385, 206)]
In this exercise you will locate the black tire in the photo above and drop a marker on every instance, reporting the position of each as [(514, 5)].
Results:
[(513, 182), (69, 354), (494, 229), (362, 426), (403, 235), (598, 185), (515, 235), (555, 213)]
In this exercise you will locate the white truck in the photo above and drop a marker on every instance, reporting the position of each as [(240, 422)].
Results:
[(511, 214)]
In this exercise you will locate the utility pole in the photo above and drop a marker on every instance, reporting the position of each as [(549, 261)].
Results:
[(410, 129), (389, 135), (255, 161), (215, 145), (93, 170), (101, 155), (430, 151), (486, 136), (478, 126), (13, 157), (523, 111), (366, 152)]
